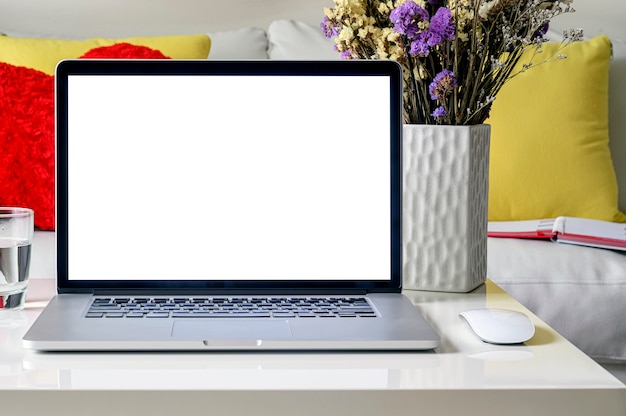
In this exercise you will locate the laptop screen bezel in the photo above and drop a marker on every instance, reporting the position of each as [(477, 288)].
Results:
[(388, 69)]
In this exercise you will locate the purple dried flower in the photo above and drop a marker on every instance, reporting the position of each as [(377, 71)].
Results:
[(419, 46), (405, 18), (443, 83), (439, 112), (543, 29), (441, 27), (329, 29)]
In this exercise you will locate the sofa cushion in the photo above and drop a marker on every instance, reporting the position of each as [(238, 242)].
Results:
[(579, 291), (289, 39), (27, 132), (246, 43), (27, 141), (43, 54), (549, 138)]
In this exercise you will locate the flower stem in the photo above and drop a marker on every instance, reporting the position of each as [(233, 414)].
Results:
[(418, 111)]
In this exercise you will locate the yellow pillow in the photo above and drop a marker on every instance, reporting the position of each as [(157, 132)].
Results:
[(549, 138), (44, 54)]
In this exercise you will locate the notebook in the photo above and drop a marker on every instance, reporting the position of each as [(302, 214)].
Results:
[(229, 205), (570, 230)]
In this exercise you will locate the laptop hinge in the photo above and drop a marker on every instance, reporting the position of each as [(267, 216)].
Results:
[(222, 292)]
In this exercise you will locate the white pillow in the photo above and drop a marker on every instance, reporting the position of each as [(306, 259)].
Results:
[(247, 43), (289, 39)]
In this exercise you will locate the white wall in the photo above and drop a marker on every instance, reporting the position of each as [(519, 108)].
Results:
[(115, 18)]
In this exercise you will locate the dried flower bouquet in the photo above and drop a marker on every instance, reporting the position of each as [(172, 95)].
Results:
[(455, 54)]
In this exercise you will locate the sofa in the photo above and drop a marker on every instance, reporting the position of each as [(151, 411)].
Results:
[(579, 291)]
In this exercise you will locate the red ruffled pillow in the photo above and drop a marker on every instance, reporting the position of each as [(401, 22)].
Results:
[(27, 132), (124, 50)]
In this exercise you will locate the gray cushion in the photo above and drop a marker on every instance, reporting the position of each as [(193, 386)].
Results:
[(246, 43), (579, 291), (297, 40)]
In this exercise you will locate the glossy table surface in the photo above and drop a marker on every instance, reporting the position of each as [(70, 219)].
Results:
[(546, 375)]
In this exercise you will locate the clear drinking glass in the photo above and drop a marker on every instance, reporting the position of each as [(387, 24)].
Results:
[(16, 237)]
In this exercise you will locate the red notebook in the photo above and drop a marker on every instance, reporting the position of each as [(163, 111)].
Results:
[(580, 231)]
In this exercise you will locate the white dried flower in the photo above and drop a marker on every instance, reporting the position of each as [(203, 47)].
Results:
[(573, 35)]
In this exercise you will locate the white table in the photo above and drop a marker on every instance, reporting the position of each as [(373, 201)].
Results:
[(547, 376)]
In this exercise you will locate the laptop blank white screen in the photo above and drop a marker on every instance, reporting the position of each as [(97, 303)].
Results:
[(228, 178)]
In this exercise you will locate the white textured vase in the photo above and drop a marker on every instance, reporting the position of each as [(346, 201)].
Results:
[(446, 181)]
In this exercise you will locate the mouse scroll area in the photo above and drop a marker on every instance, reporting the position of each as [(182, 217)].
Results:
[(499, 326)]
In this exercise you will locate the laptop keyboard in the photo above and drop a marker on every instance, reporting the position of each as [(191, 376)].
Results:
[(228, 307)]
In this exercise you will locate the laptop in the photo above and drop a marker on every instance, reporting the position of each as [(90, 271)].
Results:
[(229, 205)]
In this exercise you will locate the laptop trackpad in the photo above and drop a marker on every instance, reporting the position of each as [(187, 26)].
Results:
[(240, 329)]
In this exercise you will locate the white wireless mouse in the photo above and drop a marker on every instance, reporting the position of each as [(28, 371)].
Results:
[(499, 326)]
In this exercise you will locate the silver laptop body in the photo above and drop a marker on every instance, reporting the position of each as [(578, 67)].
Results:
[(229, 205)]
